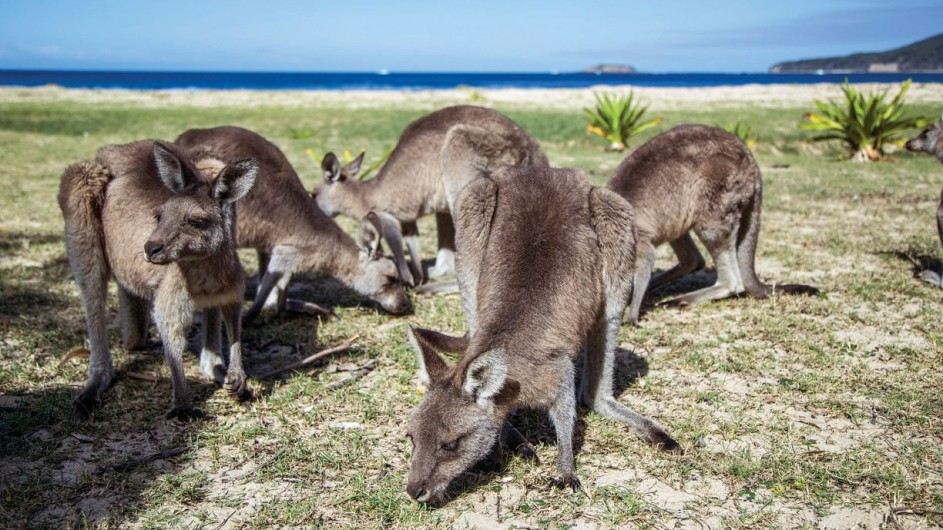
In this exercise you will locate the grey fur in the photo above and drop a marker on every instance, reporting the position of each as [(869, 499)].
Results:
[(540, 287), (288, 231), (424, 173), (930, 140), (143, 213), (700, 179)]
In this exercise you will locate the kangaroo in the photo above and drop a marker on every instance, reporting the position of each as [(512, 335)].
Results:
[(144, 213), (701, 179), (540, 288), (412, 183), (930, 140), (289, 232)]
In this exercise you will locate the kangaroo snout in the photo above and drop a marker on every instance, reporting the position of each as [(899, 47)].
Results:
[(153, 250), (913, 144)]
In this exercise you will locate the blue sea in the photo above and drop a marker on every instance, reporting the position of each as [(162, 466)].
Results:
[(419, 81)]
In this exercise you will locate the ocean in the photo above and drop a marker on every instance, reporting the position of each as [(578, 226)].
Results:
[(419, 81)]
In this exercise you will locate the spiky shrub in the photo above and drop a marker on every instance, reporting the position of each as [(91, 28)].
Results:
[(865, 123), (617, 118), (742, 131)]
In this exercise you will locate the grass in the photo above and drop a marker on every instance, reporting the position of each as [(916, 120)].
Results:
[(792, 410)]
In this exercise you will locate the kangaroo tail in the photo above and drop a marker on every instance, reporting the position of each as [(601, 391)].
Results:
[(81, 196)]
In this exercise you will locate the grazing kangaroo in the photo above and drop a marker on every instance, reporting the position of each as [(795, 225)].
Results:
[(143, 212), (288, 231), (540, 287), (413, 182), (930, 140), (701, 179)]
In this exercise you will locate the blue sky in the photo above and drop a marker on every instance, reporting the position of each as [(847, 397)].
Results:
[(486, 35)]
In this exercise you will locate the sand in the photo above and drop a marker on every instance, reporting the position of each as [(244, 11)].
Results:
[(658, 98)]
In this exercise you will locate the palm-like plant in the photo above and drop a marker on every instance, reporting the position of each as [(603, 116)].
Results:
[(744, 132), (864, 122), (617, 118)]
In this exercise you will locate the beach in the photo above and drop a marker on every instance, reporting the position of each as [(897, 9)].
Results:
[(659, 98)]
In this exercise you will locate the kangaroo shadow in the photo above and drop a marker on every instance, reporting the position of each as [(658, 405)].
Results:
[(662, 294), (536, 427), (70, 473), (923, 266), (322, 289)]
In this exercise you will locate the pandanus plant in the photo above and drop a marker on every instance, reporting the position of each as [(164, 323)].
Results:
[(617, 118), (865, 123)]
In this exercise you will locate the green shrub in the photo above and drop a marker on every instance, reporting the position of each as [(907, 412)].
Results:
[(742, 131), (864, 122), (617, 118)]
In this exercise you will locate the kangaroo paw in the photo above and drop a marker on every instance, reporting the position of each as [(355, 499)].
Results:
[(238, 388), (185, 414), (83, 405), (566, 481), (661, 440)]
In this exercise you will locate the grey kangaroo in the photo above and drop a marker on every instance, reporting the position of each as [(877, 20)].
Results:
[(540, 288), (413, 182), (145, 214), (930, 140), (288, 231), (701, 179)]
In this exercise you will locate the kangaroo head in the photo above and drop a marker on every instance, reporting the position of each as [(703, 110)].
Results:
[(930, 140), (198, 218), (336, 190), (377, 275), (459, 419)]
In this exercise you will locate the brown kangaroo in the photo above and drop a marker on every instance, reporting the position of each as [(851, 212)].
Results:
[(288, 231), (144, 213), (930, 140), (541, 287), (701, 179), (413, 182)]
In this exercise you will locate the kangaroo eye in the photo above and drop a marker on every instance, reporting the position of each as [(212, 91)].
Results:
[(451, 446), (157, 217), (197, 223)]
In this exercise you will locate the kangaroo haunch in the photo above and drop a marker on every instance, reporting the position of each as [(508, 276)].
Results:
[(144, 213)]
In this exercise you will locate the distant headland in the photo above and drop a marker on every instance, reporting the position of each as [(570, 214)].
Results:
[(921, 56), (609, 69)]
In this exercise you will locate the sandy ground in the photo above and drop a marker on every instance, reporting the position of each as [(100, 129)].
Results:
[(776, 96)]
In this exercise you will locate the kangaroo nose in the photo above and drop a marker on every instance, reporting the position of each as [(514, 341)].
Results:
[(416, 491), (152, 248)]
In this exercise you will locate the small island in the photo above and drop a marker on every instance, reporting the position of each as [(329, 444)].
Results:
[(609, 69)]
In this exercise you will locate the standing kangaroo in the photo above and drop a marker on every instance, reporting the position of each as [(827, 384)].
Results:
[(930, 140), (413, 182), (540, 287), (144, 213), (701, 179), (289, 232)]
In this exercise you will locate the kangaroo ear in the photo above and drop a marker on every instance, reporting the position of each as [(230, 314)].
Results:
[(486, 376), (432, 367), (353, 168), (370, 234), (332, 168), (173, 173), (235, 180)]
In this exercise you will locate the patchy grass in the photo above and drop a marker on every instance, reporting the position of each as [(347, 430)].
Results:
[(794, 411)]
